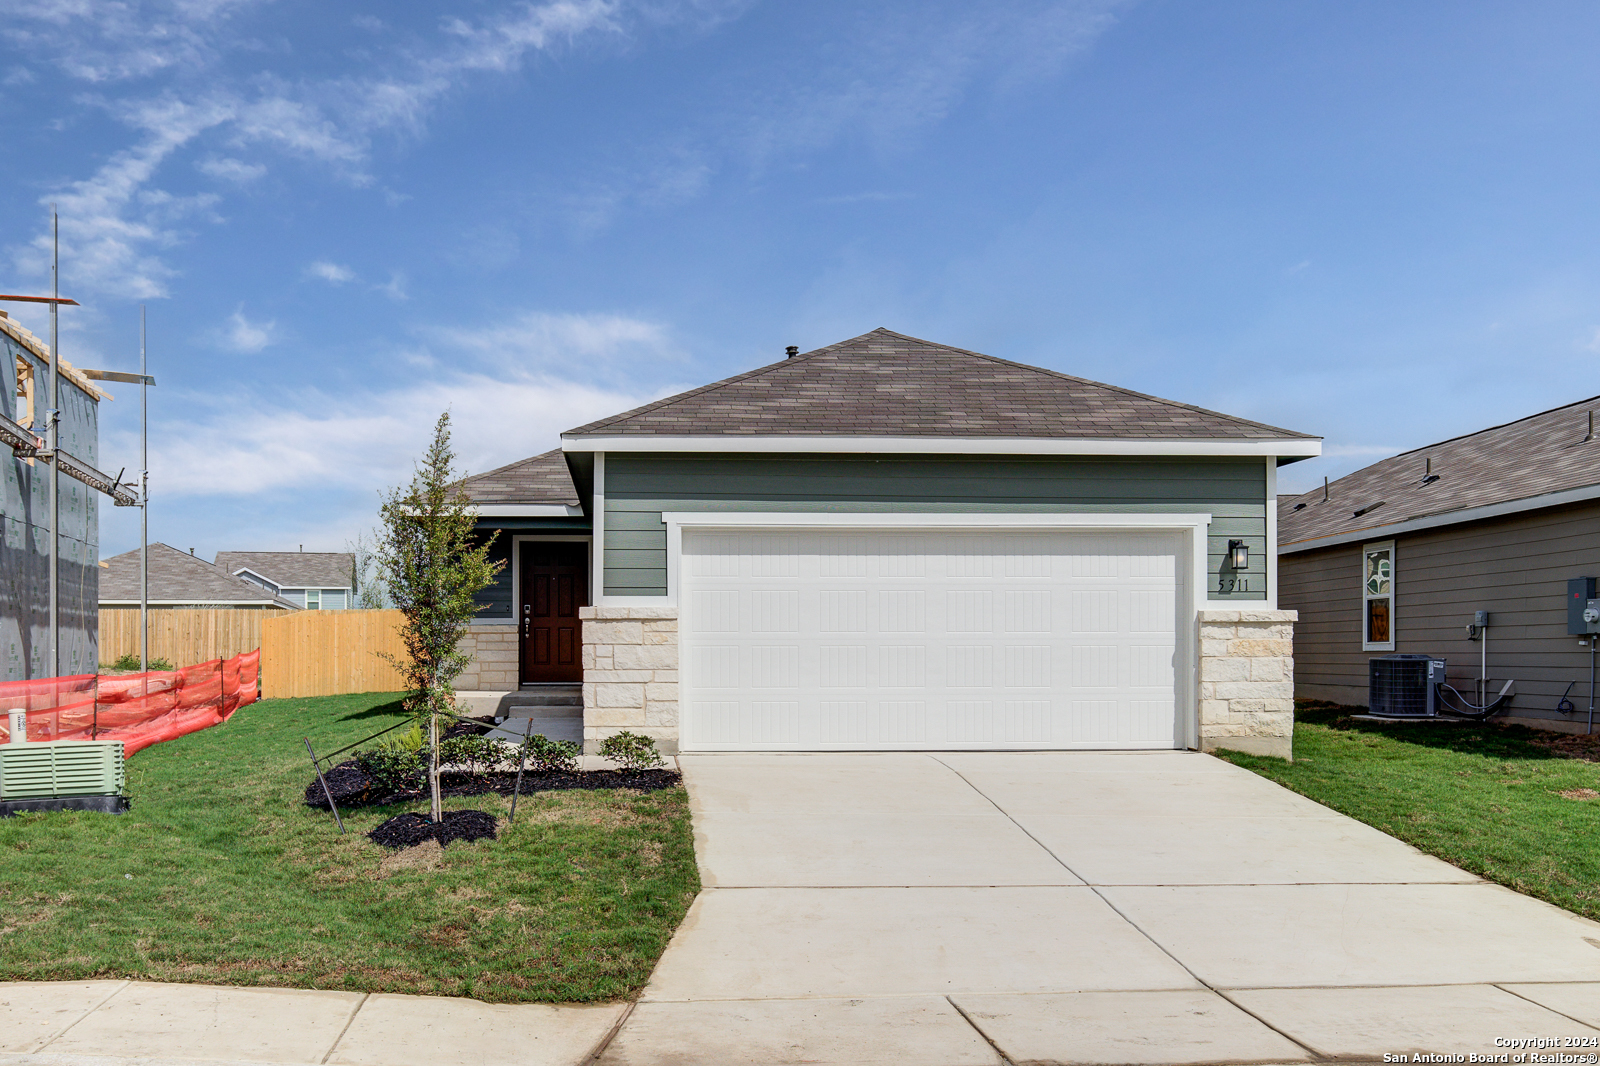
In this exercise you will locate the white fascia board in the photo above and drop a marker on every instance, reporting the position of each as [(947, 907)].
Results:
[(1445, 518), (1295, 447), (258, 576), (528, 510)]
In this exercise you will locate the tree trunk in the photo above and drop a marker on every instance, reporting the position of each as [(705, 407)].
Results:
[(433, 763)]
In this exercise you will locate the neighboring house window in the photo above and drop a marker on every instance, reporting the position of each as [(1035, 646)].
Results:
[(1377, 596), (313, 599)]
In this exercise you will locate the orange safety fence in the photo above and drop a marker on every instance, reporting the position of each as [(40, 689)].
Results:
[(137, 709)]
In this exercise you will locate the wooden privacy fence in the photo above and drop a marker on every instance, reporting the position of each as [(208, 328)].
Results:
[(325, 653), (180, 635)]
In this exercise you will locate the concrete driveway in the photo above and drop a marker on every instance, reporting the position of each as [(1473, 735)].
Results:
[(1159, 907)]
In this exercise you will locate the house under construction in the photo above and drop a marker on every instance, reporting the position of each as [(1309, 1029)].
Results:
[(25, 509)]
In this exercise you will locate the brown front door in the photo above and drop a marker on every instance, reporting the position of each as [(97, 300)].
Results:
[(555, 583)]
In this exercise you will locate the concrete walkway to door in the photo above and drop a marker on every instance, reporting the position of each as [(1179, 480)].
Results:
[(1094, 907)]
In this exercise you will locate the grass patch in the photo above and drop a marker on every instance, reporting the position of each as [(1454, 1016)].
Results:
[(235, 881), (1498, 801)]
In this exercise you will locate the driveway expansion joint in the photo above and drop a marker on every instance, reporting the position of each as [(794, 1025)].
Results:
[(348, 1022)]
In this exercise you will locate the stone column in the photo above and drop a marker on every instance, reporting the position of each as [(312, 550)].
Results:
[(630, 674), (1247, 681)]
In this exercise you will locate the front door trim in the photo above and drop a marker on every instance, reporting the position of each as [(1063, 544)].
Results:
[(517, 541)]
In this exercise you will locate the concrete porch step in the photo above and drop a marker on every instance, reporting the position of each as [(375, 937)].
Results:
[(552, 701), (568, 727)]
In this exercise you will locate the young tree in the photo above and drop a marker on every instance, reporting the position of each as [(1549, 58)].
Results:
[(432, 570)]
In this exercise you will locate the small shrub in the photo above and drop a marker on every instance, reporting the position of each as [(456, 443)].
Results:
[(393, 769), (631, 751), (551, 756), (130, 661), (410, 740), (472, 754)]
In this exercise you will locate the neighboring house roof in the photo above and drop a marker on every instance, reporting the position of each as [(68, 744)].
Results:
[(178, 577), (885, 384), (25, 337), (543, 479), (1543, 460), (293, 570)]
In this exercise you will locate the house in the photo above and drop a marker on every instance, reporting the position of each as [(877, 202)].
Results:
[(179, 579), (889, 543), (25, 510), (313, 580), (1401, 555)]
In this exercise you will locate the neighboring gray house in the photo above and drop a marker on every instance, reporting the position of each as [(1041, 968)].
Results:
[(1400, 555), (889, 543), (178, 579), (25, 511), (313, 580)]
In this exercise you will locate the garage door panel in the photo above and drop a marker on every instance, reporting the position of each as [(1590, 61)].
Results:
[(905, 640)]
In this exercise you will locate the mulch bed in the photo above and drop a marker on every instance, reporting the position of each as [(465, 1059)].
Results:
[(352, 787), (409, 830)]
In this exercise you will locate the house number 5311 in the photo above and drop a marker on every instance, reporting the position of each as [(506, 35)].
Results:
[(1233, 584)]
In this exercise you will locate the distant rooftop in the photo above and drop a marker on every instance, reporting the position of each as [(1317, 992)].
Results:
[(176, 577), (1550, 452), (293, 570)]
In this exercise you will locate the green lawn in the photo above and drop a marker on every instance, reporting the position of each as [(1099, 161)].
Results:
[(221, 874), (1486, 798)]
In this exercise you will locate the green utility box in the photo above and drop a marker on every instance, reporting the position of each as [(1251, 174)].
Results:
[(62, 775)]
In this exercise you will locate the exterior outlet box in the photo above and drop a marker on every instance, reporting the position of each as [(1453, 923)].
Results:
[(1582, 596)]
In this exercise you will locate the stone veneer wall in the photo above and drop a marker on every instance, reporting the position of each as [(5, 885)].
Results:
[(494, 660), (1247, 681), (630, 674)]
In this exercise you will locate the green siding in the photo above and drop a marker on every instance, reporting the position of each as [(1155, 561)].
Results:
[(639, 487)]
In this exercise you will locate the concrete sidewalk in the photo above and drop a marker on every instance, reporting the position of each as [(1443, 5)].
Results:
[(120, 1023), (1113, 908)]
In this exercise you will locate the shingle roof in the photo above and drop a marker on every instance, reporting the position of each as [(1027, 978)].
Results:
[(890, 385), (176, 577), (1530, 457), (541, 479), (293, 570)]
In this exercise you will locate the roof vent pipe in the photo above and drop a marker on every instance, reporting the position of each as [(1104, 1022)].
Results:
[(1590, 437), (791, 351), (1324, 489)]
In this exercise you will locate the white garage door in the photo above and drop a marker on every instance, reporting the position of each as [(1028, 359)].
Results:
[(808, 640)]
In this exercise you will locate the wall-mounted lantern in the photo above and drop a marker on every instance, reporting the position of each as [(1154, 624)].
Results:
[(1238, 555)]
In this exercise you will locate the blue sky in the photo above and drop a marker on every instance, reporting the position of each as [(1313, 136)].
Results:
[(1369, 221)]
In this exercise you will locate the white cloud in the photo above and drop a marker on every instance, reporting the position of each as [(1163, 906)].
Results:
[(906, 68), (109, 224), (114, 236), (234, 170), (559, 341), (332, 273), (395, 288), (514, 407), (243, 335)]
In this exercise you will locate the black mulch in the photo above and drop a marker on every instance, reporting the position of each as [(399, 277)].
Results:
[(409, 830), (352, 787), (468, 727)]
